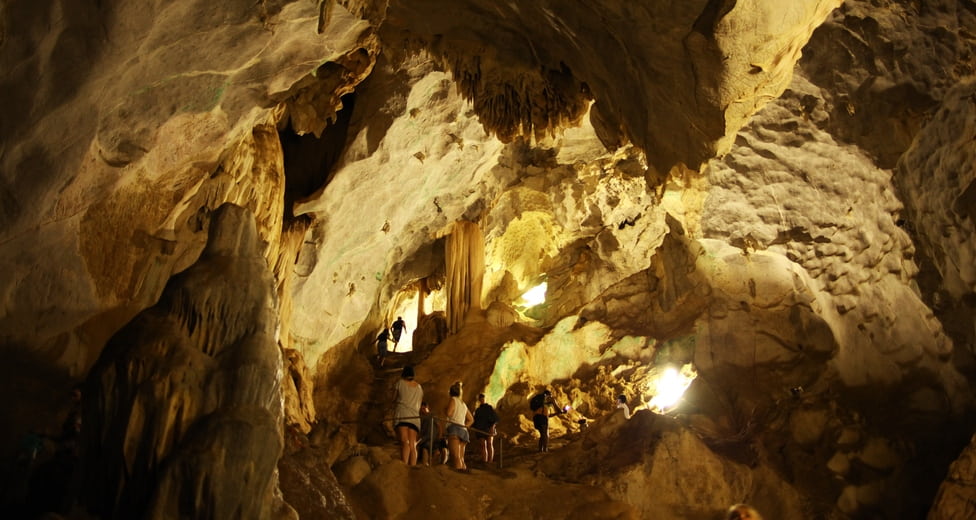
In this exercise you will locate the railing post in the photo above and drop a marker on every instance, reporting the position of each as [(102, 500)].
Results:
[(501, 452), (430, 440)]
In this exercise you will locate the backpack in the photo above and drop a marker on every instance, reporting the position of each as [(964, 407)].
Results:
[(491, 415), (485, 417), (537, 401)]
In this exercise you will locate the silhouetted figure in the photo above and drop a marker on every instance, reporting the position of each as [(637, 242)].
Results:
[(382, 346), (53, 485), (540, 416), (398, 327), (485, 420)]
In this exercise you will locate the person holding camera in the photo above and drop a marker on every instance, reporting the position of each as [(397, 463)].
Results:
[(485, 421), (540, 416)]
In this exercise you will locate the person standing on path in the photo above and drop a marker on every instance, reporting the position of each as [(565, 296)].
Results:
[(457, 429), (407, 397), (485, 419), (540, 416)]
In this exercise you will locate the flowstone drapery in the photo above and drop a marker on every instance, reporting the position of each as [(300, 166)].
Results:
[(465, 258)]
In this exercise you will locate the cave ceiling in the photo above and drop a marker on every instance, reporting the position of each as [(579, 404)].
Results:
[(778, 194)]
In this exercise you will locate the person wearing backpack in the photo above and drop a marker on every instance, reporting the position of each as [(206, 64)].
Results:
[(540, 416), (485, 421)]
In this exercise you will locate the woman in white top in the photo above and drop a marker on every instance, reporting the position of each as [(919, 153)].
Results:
[(457, 429), (406, 416), (622, 405)]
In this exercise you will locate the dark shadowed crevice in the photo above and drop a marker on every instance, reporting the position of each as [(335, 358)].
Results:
[(309, 160)]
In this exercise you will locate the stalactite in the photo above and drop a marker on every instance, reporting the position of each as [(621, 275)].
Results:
[(512, 102), (465, 261)]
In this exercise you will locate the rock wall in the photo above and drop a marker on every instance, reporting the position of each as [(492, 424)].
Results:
[(938, 180), (183, 408), (130, 148), (884, 71), (955, 497), (831, 327)]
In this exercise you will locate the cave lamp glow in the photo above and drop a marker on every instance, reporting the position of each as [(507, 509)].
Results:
[(535, 295), (668, 387)]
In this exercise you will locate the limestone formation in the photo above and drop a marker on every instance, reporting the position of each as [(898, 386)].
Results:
[(938, 177), (183, 412), (209, 211), (464, 259), (955, 497)]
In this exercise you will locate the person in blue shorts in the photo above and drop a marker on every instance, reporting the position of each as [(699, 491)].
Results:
[(459, 418)]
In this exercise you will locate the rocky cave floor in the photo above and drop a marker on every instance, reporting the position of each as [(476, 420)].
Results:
[(521, 483)]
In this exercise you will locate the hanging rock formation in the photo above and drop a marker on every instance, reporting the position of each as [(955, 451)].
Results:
[(465, 264), (774, 196)]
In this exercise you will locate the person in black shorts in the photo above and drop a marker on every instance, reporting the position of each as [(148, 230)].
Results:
[(540, 416), (485, 419), (407, 397)]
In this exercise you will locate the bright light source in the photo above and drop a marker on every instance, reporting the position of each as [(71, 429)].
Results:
[(668, 388), (535, 295)]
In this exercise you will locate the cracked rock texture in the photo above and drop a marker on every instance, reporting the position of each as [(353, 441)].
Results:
[(208, 212)]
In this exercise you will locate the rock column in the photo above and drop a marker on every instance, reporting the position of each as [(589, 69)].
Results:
[(183, 408), (465, 258)]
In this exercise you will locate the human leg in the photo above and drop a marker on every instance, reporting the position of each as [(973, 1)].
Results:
[(489, 449), (442, 451), (461, 453), (381, 353), (454, 447), (403, 439), (541, 423), (412, 445)]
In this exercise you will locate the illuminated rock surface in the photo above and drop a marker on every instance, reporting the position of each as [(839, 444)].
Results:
[(775, 197)]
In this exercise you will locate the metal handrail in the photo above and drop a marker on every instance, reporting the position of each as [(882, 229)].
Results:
[(430, 440)]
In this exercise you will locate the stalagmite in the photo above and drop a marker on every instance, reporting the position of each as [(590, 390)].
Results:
[(183, 410), (779, 196)]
